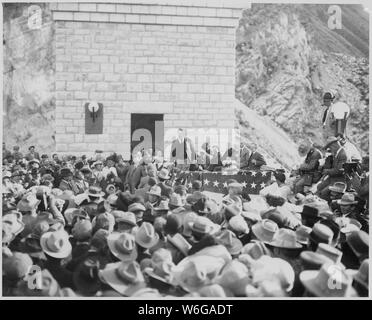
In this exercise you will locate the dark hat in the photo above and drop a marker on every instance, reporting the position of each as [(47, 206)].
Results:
[(79, 165), (358, 241), (313, 261), (310, 213), (328, 95), (173, 224), (65, 172), (30, 147), (277, 217), (86, 277), (321, 234)]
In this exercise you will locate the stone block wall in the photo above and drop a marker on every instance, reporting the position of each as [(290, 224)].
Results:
[(178, 60)]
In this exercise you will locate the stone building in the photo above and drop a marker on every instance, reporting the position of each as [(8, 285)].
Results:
[(142, 61)]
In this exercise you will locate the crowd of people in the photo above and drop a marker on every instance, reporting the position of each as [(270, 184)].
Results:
[(78, 226)]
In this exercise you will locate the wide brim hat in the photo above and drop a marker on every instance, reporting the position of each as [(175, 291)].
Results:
[(152, 274), (314, 260), (98, 194), (152, 192), (211, 229), (110, 276), (148, 245), (63, 253), (179, 242), (34, 161), (206, 267), (111, 241), (276, 243), (258, 231), (164, 174), (308, 280), (337, 188), (346, 203), (25, 206)]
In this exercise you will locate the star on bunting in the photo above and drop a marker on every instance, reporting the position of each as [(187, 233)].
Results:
[(206, 182), (253, 185), (215, 184)]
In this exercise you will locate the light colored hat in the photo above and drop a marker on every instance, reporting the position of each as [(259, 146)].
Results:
[(285, 239), (98, 162), (179, 242), (229, 240), (318, 282), (161, 271), (213, 290), (176, 200), (163, 206), (256, 249), (187, 219), (321, 234), (302, 234), (127, 217), (235, 278), (94, 191), (71, 213), (164, 174), (147, 293), (330, 252), (238, 224), (203, 225), (124, 277), (16, 266), (347, 199), (193, 273), (136, 207), (146, 236), (338, 187), (104, 221), (235, 185), (265, 230), (56, 244), (122, 246), (353, 225), (28, 203), (161, 255), (268, 268), (155, 191)]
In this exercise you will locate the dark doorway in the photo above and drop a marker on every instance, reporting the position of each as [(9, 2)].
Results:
[(147, 131)]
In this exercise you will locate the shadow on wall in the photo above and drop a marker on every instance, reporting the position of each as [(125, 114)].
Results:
[(28, 93)]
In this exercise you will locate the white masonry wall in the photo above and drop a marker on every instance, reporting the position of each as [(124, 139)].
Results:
[(178, 60)]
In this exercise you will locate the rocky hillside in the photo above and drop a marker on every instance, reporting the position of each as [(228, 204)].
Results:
[(28, 68), (287, 57)]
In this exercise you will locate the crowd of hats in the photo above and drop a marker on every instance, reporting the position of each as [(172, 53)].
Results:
[(169, 240)]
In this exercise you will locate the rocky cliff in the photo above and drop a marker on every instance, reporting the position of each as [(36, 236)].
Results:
[(287, 57), (28, 67)]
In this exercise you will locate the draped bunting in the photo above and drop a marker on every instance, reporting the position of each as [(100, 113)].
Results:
[(253, 181)]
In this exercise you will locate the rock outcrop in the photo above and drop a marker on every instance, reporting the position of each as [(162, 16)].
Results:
[(287, 57), (28, 93)]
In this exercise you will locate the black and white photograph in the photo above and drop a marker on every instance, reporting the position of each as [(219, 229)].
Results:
[(185, 150)]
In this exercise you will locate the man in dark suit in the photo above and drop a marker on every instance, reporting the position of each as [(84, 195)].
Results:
[(182, 150), (336, 172), (250, 159), (308, 171), (32, 154)]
